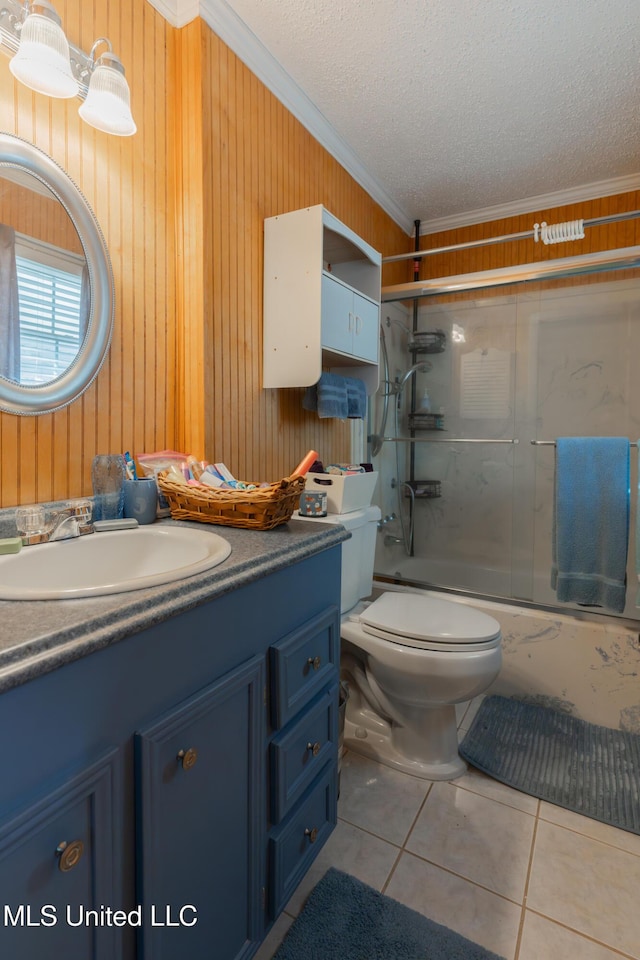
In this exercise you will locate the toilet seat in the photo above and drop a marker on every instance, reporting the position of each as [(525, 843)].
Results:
[(429, 623)]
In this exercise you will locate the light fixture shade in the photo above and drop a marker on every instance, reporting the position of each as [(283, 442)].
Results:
[(42, 60), (107, 106)]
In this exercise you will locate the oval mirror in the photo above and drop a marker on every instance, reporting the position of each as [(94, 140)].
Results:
[(56, 284)]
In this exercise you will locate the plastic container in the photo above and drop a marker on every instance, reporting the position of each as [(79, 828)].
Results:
[(108, 473), (346, 492)]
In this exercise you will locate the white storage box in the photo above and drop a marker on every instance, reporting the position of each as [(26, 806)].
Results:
[(345, 492)]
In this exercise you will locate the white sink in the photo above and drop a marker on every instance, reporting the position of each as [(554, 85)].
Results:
[(114, 562)]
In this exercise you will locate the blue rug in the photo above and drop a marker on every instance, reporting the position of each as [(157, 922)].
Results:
[(589, 769), (343, 919)]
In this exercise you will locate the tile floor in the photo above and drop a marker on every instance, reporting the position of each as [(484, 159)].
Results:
[(524, 878)]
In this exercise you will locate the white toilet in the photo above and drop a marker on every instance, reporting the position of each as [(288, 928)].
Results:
[(409, 658)]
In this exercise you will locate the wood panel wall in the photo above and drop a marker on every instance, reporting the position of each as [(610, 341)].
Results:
[(130, 184), (256, 161), (181, 205), (37, 216)]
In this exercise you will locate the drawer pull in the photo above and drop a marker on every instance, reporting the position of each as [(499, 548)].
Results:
[(188, 758), (312, 834), (69, 854), (314, 662), (314, 747)]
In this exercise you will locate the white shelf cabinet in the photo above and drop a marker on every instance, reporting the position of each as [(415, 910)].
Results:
[(321, 300)]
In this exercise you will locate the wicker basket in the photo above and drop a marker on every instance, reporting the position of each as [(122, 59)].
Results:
[(260, 509)]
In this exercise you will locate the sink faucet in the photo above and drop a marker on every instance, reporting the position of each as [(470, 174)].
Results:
[(74, 520), (64, 525)]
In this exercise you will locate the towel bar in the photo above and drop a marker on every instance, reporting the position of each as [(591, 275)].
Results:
[(443, 440)]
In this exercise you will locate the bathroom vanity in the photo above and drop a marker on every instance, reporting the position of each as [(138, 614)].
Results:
[(170, 755)]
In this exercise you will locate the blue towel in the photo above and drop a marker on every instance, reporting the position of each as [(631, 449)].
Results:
[(356, 399), (336, 396), (591, 521)]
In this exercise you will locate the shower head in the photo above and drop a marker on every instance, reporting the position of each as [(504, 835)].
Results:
[(423, 367)]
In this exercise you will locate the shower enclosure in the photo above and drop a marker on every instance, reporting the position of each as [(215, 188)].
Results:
[(466, 483)]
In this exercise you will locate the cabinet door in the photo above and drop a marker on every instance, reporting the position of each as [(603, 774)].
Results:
[(338, 320), (201, 808), (59, 860), (365, 328)]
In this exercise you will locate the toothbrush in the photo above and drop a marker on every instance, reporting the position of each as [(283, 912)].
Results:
[(130, 466)]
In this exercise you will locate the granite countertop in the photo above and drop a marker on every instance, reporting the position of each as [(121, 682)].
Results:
[(38, 636)]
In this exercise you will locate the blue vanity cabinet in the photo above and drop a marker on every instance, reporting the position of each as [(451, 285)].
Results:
[(155, 752), (201, 833)]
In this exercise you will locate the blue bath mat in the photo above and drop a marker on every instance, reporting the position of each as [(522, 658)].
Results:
[(344, 919), (589, 769)]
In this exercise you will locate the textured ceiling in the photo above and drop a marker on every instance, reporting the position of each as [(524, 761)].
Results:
[(457, 105)]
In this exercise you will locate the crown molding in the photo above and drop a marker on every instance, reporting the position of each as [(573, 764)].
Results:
[(589, 191), (177, 12)]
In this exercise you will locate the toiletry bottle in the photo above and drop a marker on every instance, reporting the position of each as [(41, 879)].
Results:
[(305, 463), (425, 403)]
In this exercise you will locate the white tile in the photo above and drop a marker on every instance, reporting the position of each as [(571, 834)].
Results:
[(378, 798), (479, 782), (630, 842), (478, 838), (542, 940), (469, 716), (274, 938), (353, 851), (586, 885), (475, 913)]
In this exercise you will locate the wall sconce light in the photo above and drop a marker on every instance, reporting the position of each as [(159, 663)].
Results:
[(107, 106), (43, 59)]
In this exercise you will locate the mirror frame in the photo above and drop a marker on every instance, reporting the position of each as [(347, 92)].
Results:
[(59, 393)]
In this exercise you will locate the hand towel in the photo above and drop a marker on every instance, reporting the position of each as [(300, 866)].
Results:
[(356, 398), (328, 397), (591, 521)]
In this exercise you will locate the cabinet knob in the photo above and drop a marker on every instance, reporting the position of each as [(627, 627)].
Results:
[(312, 834), (314, 662), (188, 758), (69, 854), (314, 747)]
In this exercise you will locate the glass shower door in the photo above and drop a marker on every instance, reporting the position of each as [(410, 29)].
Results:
[(462, 538), (529, 362)]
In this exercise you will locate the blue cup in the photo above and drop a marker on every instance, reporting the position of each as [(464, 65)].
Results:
[(141, 499)]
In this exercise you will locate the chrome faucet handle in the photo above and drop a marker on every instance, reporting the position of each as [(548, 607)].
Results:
[(82, 510), (31, 524)]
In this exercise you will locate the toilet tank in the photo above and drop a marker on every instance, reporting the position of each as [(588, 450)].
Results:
[(358, 553)]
